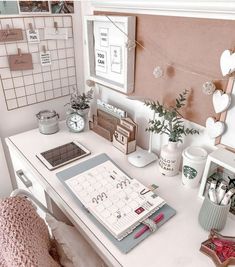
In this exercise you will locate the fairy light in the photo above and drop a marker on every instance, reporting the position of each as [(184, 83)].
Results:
[(208, 88), (158, 72), (175, 65)]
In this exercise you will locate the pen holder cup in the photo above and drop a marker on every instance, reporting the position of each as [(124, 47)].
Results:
[(212, 215)]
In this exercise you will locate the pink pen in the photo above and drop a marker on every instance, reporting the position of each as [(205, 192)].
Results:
[(157, 219)]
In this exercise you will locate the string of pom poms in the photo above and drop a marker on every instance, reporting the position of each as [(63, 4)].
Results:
[(158, 71)]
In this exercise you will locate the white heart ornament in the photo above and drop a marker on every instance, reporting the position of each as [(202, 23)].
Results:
[(214, 128), (227, 62), (221, 101)]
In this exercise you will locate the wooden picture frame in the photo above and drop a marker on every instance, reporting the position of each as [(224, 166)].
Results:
[(225, 139), (102, 34)]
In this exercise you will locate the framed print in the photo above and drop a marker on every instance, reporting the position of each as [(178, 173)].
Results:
[(110, 48), (116, 58), (34, 7), (62, 7), (104, 37), (100, 61)]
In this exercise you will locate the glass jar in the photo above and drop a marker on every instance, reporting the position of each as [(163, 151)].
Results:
[(48, 121)]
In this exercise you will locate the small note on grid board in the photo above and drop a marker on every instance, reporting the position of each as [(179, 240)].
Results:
[(55, 34), (11, 35), (20, 62), (33, 36), (45, 58)]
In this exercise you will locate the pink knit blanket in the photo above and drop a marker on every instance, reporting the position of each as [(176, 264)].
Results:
[(24, 237)]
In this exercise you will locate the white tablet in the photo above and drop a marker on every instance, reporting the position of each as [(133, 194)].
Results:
[(61, 155)]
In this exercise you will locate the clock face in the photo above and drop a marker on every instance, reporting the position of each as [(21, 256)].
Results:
[(75, 122)]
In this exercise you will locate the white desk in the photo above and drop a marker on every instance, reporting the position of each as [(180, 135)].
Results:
[(176, 243)]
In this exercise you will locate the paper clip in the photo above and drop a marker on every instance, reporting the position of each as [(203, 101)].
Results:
[(8, 29), (103, 195), (31, 27), (143, 192), (56, 26), (94, 200), (19, 52), (44, 49)]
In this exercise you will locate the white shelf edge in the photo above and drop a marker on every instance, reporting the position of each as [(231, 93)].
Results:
[(205, 9)]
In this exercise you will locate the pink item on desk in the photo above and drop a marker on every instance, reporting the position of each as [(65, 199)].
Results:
[(24, 236), (157, 219)]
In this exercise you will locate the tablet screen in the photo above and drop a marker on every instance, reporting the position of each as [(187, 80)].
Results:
[(65, 153)]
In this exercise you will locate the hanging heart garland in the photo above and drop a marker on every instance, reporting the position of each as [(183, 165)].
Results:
[(221, 101), (214, 128), (227, 62)]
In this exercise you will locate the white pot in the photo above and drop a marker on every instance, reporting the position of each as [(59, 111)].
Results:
[(194, 160), (83, 112), (170, 157)]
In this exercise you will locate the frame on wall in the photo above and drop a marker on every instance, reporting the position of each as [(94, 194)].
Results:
[(227, 139), (34, 7), (62, 7), (110, 47)]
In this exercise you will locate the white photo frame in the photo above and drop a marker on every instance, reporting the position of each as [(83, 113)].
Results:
[(116, 31)]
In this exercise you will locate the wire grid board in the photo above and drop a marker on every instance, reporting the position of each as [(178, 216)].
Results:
[(42, 83)]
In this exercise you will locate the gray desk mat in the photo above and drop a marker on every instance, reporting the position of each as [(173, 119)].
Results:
[(129, 242)]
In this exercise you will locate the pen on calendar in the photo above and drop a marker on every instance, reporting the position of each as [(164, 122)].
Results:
[(157, 219)]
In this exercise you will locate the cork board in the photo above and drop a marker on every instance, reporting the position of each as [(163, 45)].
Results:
[(192, 45)]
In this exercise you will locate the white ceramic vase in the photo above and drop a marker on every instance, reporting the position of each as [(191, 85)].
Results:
[(170, 158), (83, 112)]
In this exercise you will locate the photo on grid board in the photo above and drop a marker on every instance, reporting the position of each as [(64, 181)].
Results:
[(34, 7), (62, 7)]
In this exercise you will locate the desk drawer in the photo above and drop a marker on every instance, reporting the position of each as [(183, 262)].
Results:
[(26, 179)]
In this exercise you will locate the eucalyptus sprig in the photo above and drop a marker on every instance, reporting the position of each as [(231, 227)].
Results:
[(169, 119), (81, 101)]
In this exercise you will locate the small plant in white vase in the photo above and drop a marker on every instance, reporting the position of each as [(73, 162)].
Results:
[(80, 102), (170, 122)]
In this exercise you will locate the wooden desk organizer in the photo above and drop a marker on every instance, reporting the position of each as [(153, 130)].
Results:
[(124, 137), (104, 124)]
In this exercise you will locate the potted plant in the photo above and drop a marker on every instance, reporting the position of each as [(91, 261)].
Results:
[(169, 121), (80, 102)]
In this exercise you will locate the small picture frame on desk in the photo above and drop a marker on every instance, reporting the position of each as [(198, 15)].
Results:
[(220, 166)]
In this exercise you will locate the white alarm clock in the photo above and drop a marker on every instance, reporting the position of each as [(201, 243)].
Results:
[(75, 122)]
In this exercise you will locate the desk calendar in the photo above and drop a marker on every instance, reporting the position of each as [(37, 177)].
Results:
[(116, 200)]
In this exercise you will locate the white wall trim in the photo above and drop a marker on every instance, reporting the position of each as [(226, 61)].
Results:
[(202, 8)]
